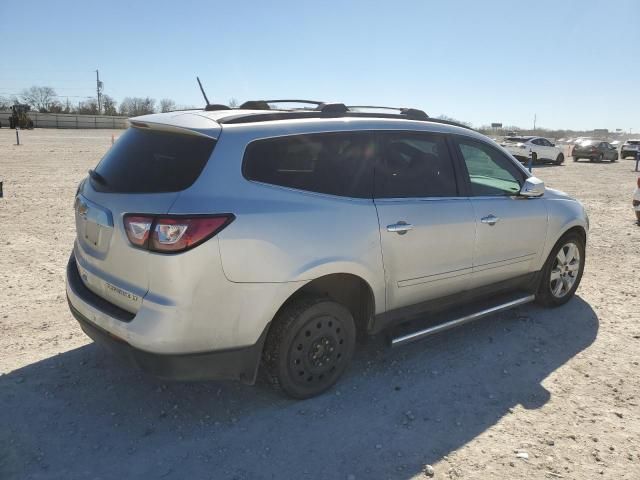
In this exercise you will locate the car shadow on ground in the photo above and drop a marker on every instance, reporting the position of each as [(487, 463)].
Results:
[(535, 166), (595, 162), (83, 414)]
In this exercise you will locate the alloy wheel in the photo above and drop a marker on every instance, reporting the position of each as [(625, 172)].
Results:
[(565, 270)]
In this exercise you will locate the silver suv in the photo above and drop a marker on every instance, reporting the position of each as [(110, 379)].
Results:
[(211, 242)]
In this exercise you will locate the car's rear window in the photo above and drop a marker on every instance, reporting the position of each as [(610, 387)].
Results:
[(147, 161), (633, 142)]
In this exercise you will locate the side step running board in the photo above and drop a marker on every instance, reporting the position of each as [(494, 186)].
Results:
[(420, 334)]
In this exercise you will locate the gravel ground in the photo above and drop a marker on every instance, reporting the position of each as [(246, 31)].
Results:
[(559, 387)]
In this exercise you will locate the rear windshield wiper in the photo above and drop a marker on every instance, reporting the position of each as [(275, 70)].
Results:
[(97, 177)]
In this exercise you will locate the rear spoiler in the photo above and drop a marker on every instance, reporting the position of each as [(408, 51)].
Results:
[(182, 123)]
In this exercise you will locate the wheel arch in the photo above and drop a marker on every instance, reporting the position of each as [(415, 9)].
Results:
[(348, 289), (579, 229)]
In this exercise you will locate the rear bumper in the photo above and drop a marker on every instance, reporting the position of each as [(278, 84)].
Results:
[(233, 363), (237, 364), (589, 155)]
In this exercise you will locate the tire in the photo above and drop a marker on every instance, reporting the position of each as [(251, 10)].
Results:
[(559, 159), (551, 293), (615, 158), (600, 157), (575, 159), (309, 346)]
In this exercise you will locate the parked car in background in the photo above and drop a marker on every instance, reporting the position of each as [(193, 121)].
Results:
[(541, 149), (595, 150), (636, 201), (630, 148)]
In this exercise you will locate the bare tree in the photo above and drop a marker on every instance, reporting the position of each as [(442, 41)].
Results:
[(167, 105), (40, 98), (109, 105), (56, 107), (233, 102), (88, 107), (134, 106), (5, 103), (451, 119)]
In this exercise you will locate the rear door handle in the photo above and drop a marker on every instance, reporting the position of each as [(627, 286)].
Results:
[(400, 228), (490, 219)]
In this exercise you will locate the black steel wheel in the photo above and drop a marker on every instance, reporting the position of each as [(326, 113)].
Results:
[(309, 346)]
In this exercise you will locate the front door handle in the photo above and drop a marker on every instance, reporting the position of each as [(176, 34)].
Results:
[(490, 219), (400, 228)]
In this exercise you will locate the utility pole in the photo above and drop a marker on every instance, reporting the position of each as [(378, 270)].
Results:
[(535, 116), (99, 91)]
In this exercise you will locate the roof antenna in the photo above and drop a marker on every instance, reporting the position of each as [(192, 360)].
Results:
[(209, 106), (202, 90)]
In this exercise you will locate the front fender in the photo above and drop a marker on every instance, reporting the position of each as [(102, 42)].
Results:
[(564, 213)]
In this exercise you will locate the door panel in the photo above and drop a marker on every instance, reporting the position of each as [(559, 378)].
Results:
[(510, 230), (508, 247), (416, 184), (434, 258)]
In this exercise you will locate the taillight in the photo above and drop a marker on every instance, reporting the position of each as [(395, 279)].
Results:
[(175, 233), (137, 228)]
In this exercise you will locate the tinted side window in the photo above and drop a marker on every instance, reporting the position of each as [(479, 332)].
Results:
[(538, 141), (414, 165), (490, 172), (147, 161), (333, 163)]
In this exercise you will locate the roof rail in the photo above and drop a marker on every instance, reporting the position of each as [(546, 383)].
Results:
[(412, 113), (300, 114), (320, 110), (332, 108), (374, 107), (264, 104), (215, 106)]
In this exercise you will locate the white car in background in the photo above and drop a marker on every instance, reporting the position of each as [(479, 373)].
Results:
[(542, 150), (630, 148)]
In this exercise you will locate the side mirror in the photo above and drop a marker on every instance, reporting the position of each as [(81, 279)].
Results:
[(553, 144), (533, 187)]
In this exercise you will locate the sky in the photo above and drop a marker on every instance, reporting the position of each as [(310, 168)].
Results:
[(572, 64)]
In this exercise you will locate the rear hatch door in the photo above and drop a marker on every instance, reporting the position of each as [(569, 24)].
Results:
[(143, 173)]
